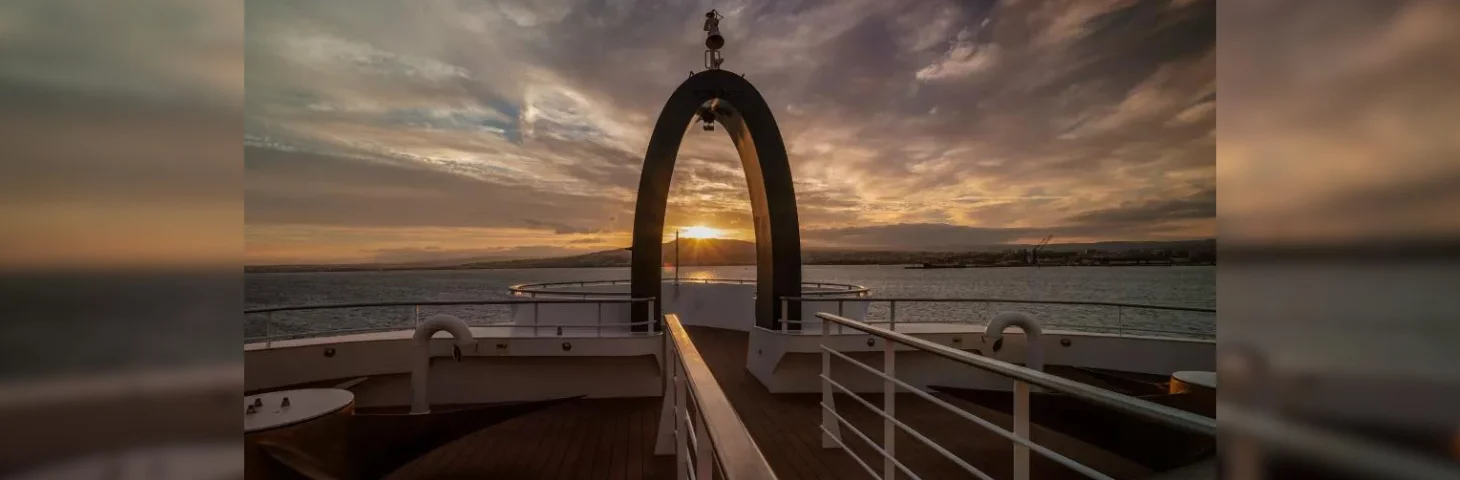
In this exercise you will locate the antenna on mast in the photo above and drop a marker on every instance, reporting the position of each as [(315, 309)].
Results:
[(713, 40)]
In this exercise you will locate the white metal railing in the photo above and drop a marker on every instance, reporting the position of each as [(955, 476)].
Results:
[(269, 337), (709, 439), (1255, 434), (1023, 377), (1120, 327), (557, 288)]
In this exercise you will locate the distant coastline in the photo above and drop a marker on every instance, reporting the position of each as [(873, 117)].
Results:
[(708, 253)]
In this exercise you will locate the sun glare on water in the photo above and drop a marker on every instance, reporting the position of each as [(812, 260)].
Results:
[(699, 231)]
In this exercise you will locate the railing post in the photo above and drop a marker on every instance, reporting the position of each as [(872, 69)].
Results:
[(828, 421), (704, 457), (269, 330), (600, 319), (892, 316), (840, 328), (653, 319), (1119, 321), (668, 427), (681, 437), (417, 319), (1021, 430), (534, 319), (889, 399), (785, 307)]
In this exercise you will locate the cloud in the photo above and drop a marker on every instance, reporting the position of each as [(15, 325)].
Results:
[(559, 228), (1200, 205), (964, 58), (930, 236), (317, 189), (588, 240), (453, 256), (949, 237), (1196, 113), (464, 115), (1342, 136)]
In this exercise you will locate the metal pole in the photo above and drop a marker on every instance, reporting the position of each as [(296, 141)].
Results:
[(889, 395), (1021, 430), (839, 327), (681, 447), (1119, 321), (268, 329), (704, 457), (676, 257), (828, 421), (418, 315), (534, 319), (785, 308), (666, 369), (892, 316), (600, 318)]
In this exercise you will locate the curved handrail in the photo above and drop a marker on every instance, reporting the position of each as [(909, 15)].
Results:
[(550, 287), (324, 306), (406, 328), (269, 337), (735, 450), (1018, 300), (1160, 413), (1121, 328)]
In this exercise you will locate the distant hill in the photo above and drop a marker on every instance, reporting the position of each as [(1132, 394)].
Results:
[(1202, 245), (718, 252), (694, 252)]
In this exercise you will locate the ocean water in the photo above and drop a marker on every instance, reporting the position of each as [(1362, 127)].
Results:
[(1188, 286)]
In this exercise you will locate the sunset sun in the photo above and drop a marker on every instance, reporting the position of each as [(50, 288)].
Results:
[(700, 231)]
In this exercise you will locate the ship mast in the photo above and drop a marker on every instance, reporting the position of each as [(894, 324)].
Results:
[(713, 40)]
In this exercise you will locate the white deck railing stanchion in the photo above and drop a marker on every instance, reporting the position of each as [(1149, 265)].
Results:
[(892, 315), (831, 435), (1021, 430), (704, 456), (1025, 379), (889, 405), (681, 427), (785, 315)]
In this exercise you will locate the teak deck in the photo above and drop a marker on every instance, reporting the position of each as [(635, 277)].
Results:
[(614, 438)]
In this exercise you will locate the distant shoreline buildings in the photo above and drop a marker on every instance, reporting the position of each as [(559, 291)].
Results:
[(719, 252)]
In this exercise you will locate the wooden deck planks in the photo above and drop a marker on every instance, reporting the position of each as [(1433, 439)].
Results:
[(583, 439), (786, 427), (614, 438)]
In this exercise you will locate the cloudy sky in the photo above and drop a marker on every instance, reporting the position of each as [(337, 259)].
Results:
[(381, 130)]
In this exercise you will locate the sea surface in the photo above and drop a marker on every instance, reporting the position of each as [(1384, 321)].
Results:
[(1187, 286)]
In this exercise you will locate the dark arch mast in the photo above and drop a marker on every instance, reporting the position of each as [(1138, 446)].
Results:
[(742, 112)]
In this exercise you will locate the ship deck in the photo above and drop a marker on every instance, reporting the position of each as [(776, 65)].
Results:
[(614, 438)]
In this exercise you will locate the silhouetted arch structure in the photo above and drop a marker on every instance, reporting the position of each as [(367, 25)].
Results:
[(742, 113)]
